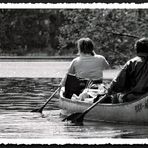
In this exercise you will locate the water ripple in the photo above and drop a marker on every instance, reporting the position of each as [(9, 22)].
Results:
[(18, 96)]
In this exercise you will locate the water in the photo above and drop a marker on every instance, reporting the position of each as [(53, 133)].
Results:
[(18, 96), (25, 86), (52, 69)]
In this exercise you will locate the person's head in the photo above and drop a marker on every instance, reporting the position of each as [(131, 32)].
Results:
[(86, 46), (141, 47)]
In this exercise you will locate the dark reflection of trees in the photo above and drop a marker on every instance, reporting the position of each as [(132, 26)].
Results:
[(26, 85), (31, 92)]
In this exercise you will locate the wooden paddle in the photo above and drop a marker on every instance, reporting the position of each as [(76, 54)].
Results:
[(41, 108), (77, 118)]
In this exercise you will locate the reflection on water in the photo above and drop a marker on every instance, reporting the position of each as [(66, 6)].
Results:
[(18, 96), (25, 93)]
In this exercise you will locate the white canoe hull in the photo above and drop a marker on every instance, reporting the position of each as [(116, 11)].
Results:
[(133, 112)]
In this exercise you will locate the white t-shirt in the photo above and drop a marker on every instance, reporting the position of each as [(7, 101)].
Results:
[(87, 66)]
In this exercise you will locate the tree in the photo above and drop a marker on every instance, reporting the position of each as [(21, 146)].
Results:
[(56, 31), (114, 31), (32, 29)]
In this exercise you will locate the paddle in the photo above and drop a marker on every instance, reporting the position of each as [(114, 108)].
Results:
[(41, 108), (77, 118)]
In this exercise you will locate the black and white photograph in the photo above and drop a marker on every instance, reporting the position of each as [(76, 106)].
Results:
[(73, 73)]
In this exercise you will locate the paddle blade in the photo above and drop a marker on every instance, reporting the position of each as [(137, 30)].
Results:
[(37, 110), (76, 118)]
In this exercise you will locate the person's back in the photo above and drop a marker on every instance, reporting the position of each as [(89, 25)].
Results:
[(88, 65), (133, 78), (138, 78)]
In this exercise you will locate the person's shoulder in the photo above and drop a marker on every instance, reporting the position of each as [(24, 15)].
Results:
[(133, 60), (99, 56), (75, 59), (137, 58)]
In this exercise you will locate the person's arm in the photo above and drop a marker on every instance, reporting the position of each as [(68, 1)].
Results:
[(119, 84), (105, 63), (71, 70)]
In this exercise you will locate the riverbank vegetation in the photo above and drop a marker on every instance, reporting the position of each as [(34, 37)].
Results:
[(53, 32)]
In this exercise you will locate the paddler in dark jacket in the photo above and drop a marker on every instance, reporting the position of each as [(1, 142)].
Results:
[(132, 81)]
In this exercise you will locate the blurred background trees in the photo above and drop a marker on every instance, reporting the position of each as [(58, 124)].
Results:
[(55, 31), (29, 30)]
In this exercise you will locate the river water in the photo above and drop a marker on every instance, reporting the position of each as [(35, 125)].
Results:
[(20, 95)]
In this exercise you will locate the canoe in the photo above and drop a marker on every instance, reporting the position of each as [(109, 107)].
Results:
[(135, 112)]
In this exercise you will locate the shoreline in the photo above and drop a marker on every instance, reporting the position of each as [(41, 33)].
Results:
[(36, 58)]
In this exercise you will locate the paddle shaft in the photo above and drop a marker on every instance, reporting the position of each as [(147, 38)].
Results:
[(92, 106), (50, 97)]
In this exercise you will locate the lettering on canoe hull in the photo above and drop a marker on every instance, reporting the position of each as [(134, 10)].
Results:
[(139, 107)]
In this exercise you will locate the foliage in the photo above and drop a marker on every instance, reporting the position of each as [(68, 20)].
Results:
[(114, 31), (28, 29), (55, 31)]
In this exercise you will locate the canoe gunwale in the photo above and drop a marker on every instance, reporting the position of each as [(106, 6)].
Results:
[(103, 104), (128, 112)]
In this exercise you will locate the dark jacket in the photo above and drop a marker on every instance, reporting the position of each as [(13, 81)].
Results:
[(132, 80)]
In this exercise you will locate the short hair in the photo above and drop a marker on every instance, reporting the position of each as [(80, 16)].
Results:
[(141, 45), (86, 46)]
